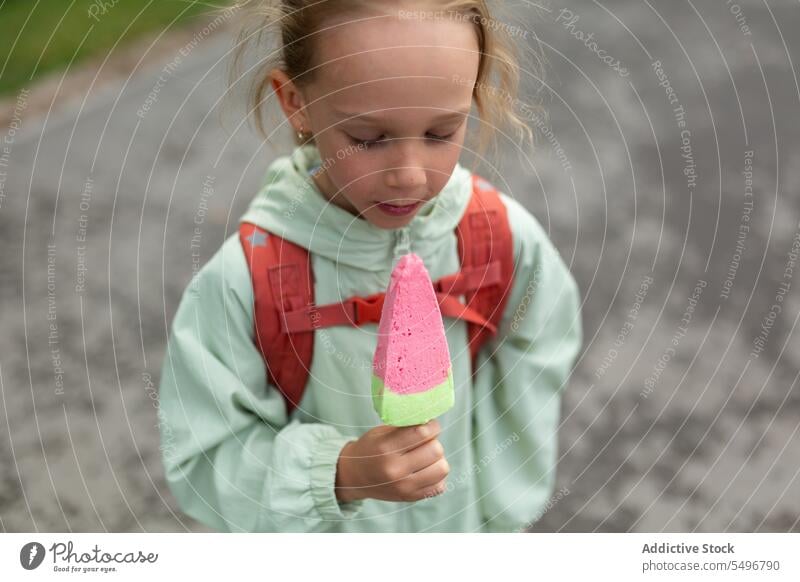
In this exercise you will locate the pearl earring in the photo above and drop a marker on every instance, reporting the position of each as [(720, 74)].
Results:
[(302, 134)]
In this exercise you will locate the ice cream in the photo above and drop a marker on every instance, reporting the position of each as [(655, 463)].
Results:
[(412, 378)]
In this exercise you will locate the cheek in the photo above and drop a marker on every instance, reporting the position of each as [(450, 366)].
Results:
[(442, 165), (355, 177)]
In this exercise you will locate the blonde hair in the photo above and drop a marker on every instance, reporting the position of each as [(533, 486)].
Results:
[(295, 23)]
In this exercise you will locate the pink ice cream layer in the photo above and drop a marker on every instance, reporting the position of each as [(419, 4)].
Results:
[(412, 354)]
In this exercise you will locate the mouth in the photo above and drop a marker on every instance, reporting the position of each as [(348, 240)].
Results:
[(398, 209)]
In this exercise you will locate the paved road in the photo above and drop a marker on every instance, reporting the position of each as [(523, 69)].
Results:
[(682, 414)]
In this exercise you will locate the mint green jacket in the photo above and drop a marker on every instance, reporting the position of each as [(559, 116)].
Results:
[(236, 461)]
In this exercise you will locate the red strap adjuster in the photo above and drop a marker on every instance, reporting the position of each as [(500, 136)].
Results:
[(368, 309)]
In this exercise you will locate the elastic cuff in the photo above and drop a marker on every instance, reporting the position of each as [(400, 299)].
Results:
[(323, 480)]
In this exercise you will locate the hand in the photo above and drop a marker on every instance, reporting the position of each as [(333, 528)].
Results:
[(393, 464)]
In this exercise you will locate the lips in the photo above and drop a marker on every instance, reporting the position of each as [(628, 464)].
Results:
[(398, 209), (400, 204)]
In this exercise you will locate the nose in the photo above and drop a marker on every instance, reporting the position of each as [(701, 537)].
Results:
[(406, 170)]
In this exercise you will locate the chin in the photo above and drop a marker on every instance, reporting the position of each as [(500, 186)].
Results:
[(387, 222)]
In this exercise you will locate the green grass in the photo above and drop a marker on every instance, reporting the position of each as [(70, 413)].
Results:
[(41, 36)]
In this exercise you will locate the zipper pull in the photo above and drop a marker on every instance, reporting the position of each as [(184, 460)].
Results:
[(402, 244)]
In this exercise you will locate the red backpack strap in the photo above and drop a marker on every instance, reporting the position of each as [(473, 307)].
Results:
[(486, 248), (282, 283)]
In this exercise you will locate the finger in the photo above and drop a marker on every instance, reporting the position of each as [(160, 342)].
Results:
[(426, 479), (423, 456), (407, 438)]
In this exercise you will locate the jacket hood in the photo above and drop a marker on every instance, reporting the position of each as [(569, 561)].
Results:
[(291, 206)]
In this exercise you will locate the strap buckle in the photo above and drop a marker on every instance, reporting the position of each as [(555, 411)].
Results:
[(368, 309)]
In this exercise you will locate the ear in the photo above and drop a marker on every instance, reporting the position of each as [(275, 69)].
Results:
[(291, 100)]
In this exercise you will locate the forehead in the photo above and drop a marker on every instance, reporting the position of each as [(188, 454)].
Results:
[(386, 62)]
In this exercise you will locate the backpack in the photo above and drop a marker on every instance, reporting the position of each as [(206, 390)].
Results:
[(285, 315)]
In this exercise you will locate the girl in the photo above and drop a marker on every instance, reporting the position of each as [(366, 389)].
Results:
[(378, 93)]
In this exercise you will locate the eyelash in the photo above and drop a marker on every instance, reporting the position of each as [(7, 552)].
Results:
[(437, 139)]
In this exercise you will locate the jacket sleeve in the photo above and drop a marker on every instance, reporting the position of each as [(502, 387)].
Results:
[(521, 375), (232, 459)]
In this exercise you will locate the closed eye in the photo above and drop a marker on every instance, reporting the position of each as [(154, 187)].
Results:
[(367, 143), (441, 138), (381, 141)]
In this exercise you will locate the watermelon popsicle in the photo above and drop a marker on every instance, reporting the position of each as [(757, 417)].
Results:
[(412, 377)]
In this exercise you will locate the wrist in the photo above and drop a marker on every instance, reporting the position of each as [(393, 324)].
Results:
[(343, 486)]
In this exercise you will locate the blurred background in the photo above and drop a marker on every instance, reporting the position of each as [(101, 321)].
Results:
[(667, 174)]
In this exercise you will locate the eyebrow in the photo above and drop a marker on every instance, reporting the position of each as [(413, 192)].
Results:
[(376, 118)]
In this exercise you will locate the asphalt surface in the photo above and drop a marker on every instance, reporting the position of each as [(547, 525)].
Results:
[(684, 409)]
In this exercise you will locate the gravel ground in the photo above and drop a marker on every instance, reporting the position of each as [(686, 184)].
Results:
[(682, 414)]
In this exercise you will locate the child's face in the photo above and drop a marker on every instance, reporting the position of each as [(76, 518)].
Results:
[(390, 122)]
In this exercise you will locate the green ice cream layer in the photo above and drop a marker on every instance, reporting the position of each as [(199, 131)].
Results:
[(409, 409)]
